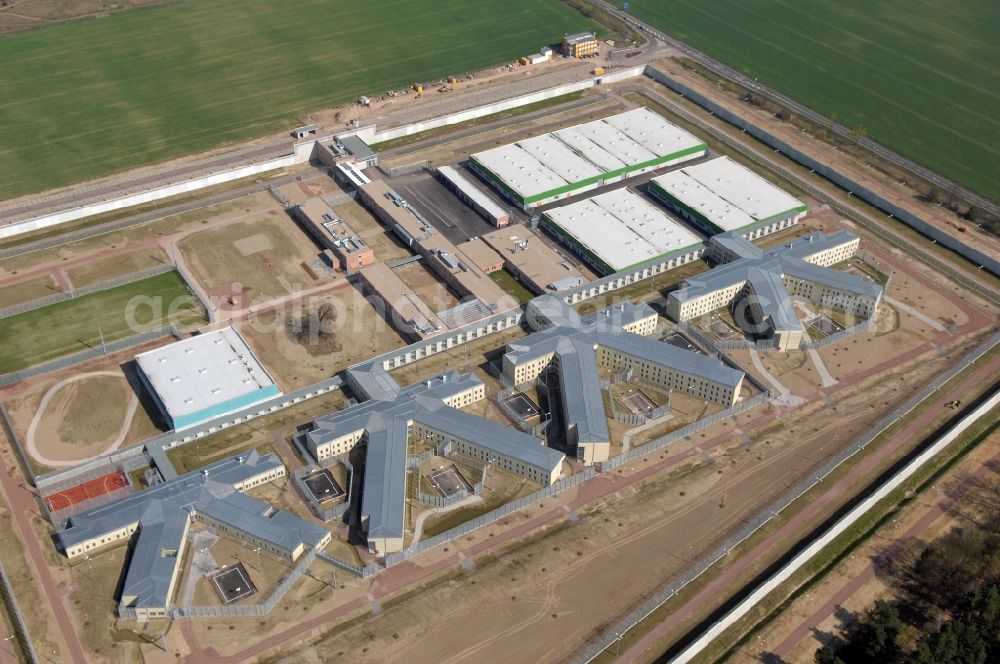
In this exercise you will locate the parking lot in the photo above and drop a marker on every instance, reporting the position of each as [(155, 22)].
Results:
[(450, 216)]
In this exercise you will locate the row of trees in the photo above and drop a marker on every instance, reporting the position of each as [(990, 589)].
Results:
[(947, 609)]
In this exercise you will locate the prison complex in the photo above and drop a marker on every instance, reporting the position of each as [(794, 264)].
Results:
[(483, 296), (163, 513), (570, 161), (611, 339), (531, 261), (759, 284), (203, 377), (429, 411), (721, 195), (333, 233), (618, 230)]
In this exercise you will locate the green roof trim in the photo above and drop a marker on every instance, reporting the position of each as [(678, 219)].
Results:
[(570, 239), (601, 263), (659, 192), (701, 147), (496, 179)]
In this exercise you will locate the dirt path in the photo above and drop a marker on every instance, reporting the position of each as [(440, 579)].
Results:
[(411, 572), (32, 445), (23, 506), (418, 527), (929, 517), (711, 593)]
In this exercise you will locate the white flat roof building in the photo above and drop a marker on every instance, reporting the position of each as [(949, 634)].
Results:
[(545, 168), (721, 195), (205, 376), (618, 229)]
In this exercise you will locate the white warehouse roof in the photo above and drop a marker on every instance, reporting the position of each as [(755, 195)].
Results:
[(726, 194), (621, 228), (539, 167), (205, 372)]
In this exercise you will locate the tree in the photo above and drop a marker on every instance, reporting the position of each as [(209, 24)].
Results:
[(326, 317), (827, 655)]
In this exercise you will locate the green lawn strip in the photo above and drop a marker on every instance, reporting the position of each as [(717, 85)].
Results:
[(78, 324), (509, 283)]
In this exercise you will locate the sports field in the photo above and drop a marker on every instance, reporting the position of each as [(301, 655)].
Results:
[(71, 326), (919, 76), (87, 98)]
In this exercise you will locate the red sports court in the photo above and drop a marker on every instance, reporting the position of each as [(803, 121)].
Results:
[(89, 489)]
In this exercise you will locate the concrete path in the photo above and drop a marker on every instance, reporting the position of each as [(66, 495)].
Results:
[(785, 397), (916, 313), (202, 562), (418, 527), (824, 375)]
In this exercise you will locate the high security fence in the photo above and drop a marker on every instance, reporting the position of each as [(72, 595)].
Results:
[(8, 428), (20, 629), (615, 632), (85, 355), (326, 514), (445, 501), (115, 282), (174, 439), (689, 430), (192, 285), (864, 326), (488, 518), (242, 610), (365, 572)]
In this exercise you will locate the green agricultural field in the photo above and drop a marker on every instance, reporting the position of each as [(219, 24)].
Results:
[(71, 326), (91, 97), (920, 76)]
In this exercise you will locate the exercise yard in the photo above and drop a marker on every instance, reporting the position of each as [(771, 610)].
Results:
[(143, 86), (76, 325), (262, 257)]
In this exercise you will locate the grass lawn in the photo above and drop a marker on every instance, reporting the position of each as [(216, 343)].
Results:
[(919, 77), (509, 283), (68, 327), (87, 98)]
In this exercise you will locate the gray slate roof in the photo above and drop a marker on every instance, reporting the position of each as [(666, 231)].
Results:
[(582, 402), (763, 271), (162, 512), (385, 422)]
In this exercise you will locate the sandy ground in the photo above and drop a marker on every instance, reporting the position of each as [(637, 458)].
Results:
[(383, 242), (361, 333), (28, 290), (425, 284), (854, 584), (442, 151), (82, 417), (733, 480), (258, 257), (24, 14), (22, 401)]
